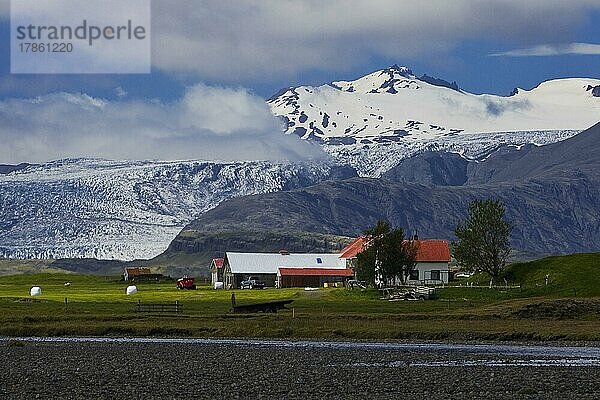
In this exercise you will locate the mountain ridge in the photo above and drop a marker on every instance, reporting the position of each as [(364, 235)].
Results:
[(133, 209), (8, 168)]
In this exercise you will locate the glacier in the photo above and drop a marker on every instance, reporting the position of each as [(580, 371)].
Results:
[(125, 210)]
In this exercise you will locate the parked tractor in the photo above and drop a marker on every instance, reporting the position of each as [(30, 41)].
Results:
[(186, 283)]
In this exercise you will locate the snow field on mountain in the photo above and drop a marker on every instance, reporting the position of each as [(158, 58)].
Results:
[(391, 114)]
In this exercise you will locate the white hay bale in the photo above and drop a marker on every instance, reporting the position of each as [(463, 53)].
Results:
[(219, 285), (36, 291), (131, 290)]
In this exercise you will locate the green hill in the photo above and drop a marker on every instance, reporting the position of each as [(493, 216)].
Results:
[(565, 273), (13, 267)]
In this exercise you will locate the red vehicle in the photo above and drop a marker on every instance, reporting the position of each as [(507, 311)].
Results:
[(186, 283)]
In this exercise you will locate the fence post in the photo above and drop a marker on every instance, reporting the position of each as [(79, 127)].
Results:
[(177, 306), (139, 306), (574, 292)]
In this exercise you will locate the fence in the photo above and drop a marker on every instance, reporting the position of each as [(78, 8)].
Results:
[(546, 285), (159, 307)]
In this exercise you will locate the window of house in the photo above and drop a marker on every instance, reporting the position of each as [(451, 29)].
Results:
[(414, 275), (435, 275), (319, 261)]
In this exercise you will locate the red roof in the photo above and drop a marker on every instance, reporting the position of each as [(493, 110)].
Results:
[(429, 250), (218, 262), (433, 251), (353, 248), (315, 272), (135, 271)]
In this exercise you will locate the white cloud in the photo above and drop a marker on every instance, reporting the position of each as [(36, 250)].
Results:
[(553, 50), (208, 123), (224, 111), (237, 40)]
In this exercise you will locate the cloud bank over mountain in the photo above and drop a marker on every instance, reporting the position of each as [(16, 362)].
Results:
[(544, 50), (241, 40), (210, 123), (231, 40)]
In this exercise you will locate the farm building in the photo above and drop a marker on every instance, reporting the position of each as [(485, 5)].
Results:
[(284, 269), (312, 277), (216, 270), (133, 273), (432, 261)]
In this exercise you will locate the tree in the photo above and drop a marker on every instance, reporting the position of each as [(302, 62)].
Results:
[(386, 256), (483, 238)]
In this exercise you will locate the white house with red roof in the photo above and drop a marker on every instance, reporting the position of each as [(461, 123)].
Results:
[(432, 260), (216, 270)]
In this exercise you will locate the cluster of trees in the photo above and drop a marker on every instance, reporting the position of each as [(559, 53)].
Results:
[(386, 256), (482, 246)]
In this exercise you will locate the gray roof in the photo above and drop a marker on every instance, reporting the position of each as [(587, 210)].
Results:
[(269, 263)]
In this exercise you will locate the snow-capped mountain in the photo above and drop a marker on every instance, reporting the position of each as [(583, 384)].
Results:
[(377, 120), (133, 209), (81, 208)]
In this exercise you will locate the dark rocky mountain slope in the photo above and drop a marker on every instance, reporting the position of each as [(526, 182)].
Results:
[(580, 153), (8, 168), (552, 195), (431, 168)]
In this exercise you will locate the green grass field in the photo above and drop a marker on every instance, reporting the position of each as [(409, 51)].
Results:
[(567, 308)]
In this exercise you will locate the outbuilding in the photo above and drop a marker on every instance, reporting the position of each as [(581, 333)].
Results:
[(136, 273), (267, 267), (216, 270)]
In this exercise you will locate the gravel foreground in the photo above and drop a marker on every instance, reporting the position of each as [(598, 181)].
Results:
[(126, 370)]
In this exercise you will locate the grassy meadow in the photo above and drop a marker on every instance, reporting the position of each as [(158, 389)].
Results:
[(526, 308)]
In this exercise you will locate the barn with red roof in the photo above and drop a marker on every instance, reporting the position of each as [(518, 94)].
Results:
[(137, 273), (285, 269), (432, 261)]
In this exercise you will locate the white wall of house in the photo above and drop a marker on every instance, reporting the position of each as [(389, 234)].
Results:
[(431, 273)]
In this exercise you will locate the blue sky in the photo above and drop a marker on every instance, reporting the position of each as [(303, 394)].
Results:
[(256, 47)]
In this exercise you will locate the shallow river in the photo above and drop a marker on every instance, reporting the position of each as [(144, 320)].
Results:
[(496, 355)]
